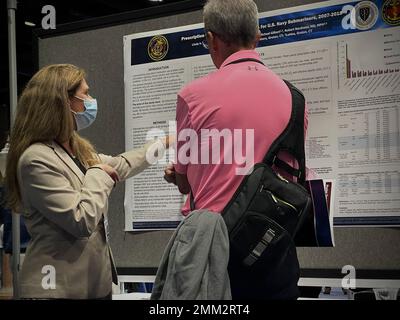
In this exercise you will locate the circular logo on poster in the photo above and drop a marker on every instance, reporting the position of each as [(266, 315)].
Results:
[(365, 15), (391, 12), (157, 48)]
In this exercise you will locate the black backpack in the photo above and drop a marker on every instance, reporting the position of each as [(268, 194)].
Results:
[(266, 211)]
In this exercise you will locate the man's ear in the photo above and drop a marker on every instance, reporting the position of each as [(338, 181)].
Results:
[(258, 37), (212, 41)]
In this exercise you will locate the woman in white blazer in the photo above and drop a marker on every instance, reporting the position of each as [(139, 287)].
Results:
[(61, 186)]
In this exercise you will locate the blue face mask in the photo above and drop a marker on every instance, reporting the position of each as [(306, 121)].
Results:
[(86, 118)]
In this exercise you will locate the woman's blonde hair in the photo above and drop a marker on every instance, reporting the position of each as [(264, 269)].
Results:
[(44, 114)]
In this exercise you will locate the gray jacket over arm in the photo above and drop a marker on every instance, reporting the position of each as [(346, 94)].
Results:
[(194, 263)]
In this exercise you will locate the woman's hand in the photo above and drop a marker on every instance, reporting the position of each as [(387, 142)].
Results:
[(109, 170), (168, 141), (169, 174)]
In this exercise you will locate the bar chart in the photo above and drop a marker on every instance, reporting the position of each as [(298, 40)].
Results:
[(368, 68), (350, 73)]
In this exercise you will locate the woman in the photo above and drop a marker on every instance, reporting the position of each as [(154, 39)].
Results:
[(61, 186)]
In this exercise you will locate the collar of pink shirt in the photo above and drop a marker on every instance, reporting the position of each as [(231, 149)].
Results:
[(242, 54)]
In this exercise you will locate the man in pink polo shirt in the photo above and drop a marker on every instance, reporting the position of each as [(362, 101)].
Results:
[(227, 120)]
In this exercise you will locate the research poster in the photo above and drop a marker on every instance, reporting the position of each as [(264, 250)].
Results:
[(343, 55)]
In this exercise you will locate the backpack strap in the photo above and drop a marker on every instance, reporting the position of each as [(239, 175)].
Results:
[(245, 60), (291, 139)]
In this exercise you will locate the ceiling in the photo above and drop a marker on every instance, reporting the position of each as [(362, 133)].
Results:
[(66, 12)]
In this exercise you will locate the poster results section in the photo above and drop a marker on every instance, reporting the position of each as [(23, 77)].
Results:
[(368, 106), (343, 55)]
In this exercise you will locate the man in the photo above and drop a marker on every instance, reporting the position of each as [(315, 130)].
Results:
[(242, 104)]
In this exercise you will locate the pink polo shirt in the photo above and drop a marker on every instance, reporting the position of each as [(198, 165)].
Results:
[(237, 101)]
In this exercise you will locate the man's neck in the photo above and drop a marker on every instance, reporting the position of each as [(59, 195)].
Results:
[(229, 50)]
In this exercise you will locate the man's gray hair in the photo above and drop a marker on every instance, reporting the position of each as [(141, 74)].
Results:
[(234, 21)]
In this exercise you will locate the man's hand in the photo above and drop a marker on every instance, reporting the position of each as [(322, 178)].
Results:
[(169, 174)]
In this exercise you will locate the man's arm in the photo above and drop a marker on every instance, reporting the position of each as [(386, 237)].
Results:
[(182, 183)]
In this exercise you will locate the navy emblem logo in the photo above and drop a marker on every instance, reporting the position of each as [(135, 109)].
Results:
[(157, 48), (391, 12), (365, 15)]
